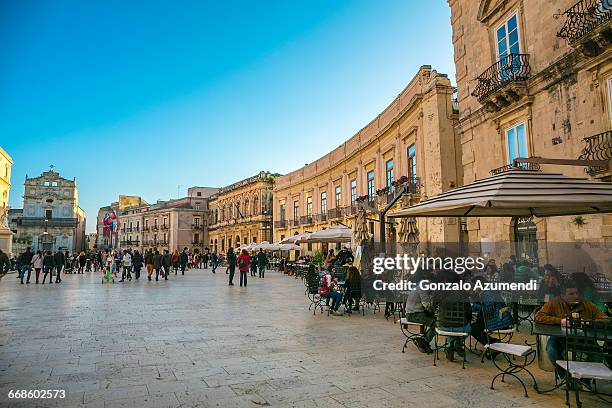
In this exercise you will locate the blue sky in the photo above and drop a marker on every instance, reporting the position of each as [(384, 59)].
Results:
[(141, 97)]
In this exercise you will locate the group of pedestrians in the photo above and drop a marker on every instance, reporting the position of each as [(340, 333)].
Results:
[(128, 264), (162, 263), (245, 262), (46, 262)]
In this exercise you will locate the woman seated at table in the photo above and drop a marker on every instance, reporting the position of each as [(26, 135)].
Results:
[(419, 309), (453, 300), (498, 315), (329, 289), (557, 310), (329, 261), (353, 289)]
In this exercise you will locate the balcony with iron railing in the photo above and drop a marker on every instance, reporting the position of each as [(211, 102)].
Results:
[(197, 226), (334, 213), (322, 217), (295, 222), (516, 166), (48, 222), (598, 147), (503, 83), (280, 224), (306, 220), (588, 25)]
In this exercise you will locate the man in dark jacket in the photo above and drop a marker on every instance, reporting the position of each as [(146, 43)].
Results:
[(60, 261), (26, 264), (157, 264), (231, 263), (261, 262), (214, 260), (184, 259), (48, 265), (166, 263)]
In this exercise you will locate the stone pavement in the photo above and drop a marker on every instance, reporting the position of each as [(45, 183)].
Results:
[(195, 342)]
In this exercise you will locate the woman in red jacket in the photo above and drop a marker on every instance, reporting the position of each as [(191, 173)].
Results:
[(243, 265)]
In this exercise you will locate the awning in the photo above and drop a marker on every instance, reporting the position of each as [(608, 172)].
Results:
[(333, 234), (518, 193), (288, 247)]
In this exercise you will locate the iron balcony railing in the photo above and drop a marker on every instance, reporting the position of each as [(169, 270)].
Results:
[(197, 226), (511, 68), (295, 222), (321, 217), (334, 213), (280, 224), (516, 166), (583, 17), (49, 222), (597, 147), (306, 220)]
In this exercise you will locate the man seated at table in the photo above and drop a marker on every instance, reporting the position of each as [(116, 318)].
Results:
[(419, 309), (556, 311)]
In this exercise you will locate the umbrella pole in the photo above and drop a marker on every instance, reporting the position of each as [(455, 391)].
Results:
[(383, 215)]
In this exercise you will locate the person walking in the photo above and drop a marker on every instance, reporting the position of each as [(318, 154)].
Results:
[(137, 263), (184, 258), (82, 260), (48, 264), (26, 264), (176, 261), (231, 263), (126, 262), (166, 263), (148, 260), (261, 262), (253, 260), (205, 257), (157, 264), (60, 261), (243, 266), (214, 260), (37, 263)]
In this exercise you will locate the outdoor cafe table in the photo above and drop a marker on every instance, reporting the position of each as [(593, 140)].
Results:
[(543, 332)]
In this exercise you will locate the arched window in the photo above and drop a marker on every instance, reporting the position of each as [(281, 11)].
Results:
[(256, 209)]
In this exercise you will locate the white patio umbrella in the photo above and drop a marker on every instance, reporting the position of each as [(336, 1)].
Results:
[(288, 247), (333, 234), (294, 239)]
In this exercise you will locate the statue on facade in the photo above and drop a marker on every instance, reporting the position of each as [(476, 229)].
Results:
[(4, 217)]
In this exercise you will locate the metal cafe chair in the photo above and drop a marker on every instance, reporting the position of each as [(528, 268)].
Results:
[(312, 287), (453, 314), (589, 347), (516, 357)]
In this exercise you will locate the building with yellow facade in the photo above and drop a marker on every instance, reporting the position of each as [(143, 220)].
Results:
[(241, 213), (534, 79), (6, 236), (412, 141)]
